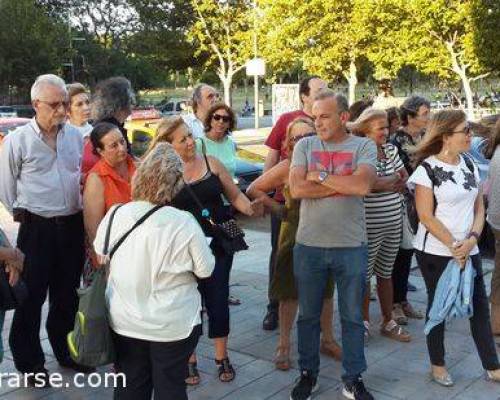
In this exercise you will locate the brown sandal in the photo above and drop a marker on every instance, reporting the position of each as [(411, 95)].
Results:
[(394, 331), (193, 377), (282, 360), (225, 368)]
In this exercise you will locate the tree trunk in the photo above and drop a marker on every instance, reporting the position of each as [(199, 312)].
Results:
[(469, 101), (226, 83), (352, 80)]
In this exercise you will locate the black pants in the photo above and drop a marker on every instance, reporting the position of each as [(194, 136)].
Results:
[(215, 292), (54, 253), (153, 367), (400, 275), (273, 304), (432, 268)]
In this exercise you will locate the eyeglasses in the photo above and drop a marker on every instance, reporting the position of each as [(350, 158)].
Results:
[(467, 130), (218, 117), (55, 105), (295, 139)]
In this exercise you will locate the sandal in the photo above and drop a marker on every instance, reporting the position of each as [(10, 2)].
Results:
[(398, 315), (282, 360), (410, 312), (193, 377), (233, 301), (394, 331), (225, 368)]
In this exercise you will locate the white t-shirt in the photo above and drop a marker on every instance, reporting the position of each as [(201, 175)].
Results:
[(456, 190), (152, 291), (194, 124)]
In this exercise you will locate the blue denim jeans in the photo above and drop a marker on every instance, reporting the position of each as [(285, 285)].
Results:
[(312, 267)]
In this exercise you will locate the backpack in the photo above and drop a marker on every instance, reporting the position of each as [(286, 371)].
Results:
[(409, 196), (90, 343)]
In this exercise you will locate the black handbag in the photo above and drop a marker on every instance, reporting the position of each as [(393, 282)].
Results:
[(228, 236)]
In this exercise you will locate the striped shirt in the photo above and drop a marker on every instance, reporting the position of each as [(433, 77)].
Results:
[(383, 208)]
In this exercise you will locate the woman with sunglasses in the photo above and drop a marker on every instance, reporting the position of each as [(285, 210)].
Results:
[(451, 212), (383, 219), (283, 286), (219, 123)]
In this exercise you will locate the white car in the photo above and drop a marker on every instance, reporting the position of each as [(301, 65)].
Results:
[(7, 112)]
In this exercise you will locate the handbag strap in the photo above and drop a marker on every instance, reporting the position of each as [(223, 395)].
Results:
[(126, 234), (203, 211), (108, 229)]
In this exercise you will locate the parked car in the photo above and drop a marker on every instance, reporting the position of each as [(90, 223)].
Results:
[(9, 124), (174, 106), (7, 112), (140, 133), (24, 111)]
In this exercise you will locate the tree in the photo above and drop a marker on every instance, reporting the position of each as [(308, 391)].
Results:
[(31, 41), (446, 32), (222, 30)]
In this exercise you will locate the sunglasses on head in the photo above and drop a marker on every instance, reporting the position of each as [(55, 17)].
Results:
[(218, 117), (295, 139)]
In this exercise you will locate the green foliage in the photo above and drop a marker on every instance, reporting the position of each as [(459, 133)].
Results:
[(31, 43)]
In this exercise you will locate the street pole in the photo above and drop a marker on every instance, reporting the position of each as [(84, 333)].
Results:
[(255, 77)]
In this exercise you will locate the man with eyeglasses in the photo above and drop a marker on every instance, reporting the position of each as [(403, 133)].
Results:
[(204, 97), (40, 187)]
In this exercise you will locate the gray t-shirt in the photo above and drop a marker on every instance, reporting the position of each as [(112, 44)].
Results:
[(339, 220)]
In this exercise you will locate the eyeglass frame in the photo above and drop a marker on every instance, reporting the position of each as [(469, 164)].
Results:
[(467, 130), (56, 104)]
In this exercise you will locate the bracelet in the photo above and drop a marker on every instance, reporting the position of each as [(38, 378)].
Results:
[(474, 235)]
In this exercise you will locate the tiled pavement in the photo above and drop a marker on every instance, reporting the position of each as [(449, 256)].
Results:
[(395, 370)]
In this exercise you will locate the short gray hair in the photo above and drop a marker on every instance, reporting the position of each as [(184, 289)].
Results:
[(196, 96), (158, 178), (46, 80), (110, 96), (340, 99)]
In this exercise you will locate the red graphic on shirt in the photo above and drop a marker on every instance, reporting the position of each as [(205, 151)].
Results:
[(335, 162)]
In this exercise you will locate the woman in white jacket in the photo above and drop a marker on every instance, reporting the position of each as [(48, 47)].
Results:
[(152, 293)]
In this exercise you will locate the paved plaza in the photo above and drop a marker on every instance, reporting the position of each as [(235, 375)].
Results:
[(395, 370)]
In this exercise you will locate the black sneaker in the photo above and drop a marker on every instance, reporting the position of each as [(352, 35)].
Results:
[(356, 391), (38, 379), (305, 386)]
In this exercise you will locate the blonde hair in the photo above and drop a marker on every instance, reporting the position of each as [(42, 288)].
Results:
[(441, 124), (288, 137), (158, 178), (361, 126), (164, 131)]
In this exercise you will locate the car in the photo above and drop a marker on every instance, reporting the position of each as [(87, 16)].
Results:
[(24, 111), (9, 124), (7, 112), (174, 106), (140, 133)]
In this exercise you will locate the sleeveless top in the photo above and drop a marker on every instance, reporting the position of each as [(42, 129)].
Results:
[(116, 189), (209, 191)]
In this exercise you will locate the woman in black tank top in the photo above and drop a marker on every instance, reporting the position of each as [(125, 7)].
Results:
[(210, 181)]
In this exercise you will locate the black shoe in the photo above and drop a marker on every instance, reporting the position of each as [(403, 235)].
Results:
[(270, 322), (411, 288), (70, 364), (305, 386), (38, 379), (356, 391)]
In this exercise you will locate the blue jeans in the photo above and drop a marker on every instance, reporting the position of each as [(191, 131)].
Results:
[(312, 267)]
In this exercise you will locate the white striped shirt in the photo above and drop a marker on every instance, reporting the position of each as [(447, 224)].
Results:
[(382, 208)]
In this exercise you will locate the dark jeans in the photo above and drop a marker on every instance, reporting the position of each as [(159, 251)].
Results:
[(400, 275), (214, 293), (312, 268), (153, 367), (54, 259), (273, 304), (432, 268)]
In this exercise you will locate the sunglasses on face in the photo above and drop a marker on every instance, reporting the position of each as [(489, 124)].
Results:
[(467, 130), (218, 117), (295, 139), (56, 104)]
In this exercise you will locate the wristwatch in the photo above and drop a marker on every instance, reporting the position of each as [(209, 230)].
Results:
[(322, 176)]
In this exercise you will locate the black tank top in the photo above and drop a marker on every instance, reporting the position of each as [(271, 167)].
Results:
[(209, 191)]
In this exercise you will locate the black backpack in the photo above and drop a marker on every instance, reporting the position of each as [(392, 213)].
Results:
[(411, 208)]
